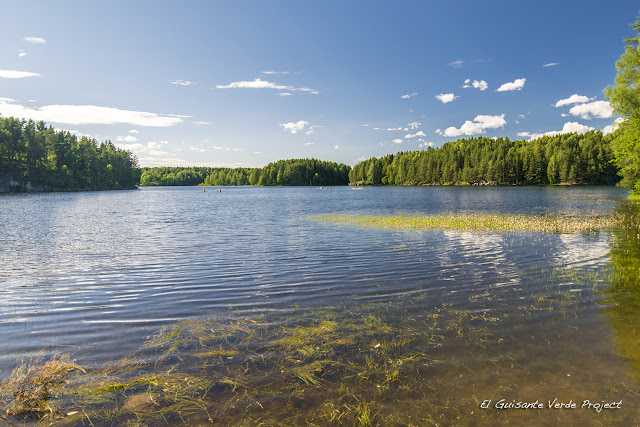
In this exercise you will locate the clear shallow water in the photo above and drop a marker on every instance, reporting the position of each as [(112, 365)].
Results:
[(97, 273)]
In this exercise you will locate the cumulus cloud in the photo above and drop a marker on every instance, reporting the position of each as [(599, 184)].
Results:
[(35, 40), (410, 95), (397, 141), (595, 109), (612, 127), (127, 138), (182, 83), (426, 144), (151, 155), (156, 144), (200, 150), (482, 85), (569, 127), (134, 131), (87, 114), (296, 127), (478, 84), (22, 53), (517, 84), (573, 99), (413, 125), (264, 84), (419, 133), (446, 97), (13, 74), (475, 127)]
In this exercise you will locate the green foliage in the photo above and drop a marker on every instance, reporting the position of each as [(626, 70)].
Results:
[(282, 172), (33, 153), (304, 172), (624, 97), (567, 158)]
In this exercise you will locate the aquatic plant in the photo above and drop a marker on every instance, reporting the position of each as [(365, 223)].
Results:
[(479, 222)]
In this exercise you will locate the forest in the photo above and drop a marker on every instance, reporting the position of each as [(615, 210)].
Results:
[(566, 158), (37, 156), (31, 152), (282, 172)]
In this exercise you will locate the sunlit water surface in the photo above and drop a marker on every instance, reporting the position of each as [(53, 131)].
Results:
[(96, 274)]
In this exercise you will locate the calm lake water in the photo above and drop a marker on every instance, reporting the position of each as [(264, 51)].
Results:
[(520, 316)]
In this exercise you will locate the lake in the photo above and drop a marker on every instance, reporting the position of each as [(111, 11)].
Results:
[(289, 319)]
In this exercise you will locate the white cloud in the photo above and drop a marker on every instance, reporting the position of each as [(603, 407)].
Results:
[(551, 64), (285, 94), (482, 85), (394, 129), (446, 97), (419, 133), (73, 132), (309, 143), (13, 74), (413, 125), (149, 155), (22, 53), (612, 127), (135, 131), (35, 40), (86, 114), (201, 123), (294, 127), (336, 147), (256, 152), (127, 138), (595, 109), (573, 99), (155, 145), (426, 144), (276, 73), (200, 150), (517, 84), (458, 63), (478, 84), (397, 141), (477, 126), (182, 83), (264, 84), (569, 127), (411, 95)]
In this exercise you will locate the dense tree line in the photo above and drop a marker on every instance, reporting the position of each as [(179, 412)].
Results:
[(304, 172), (567, 158), (624, 96), (31, 152), (282, 172), (195, 176)]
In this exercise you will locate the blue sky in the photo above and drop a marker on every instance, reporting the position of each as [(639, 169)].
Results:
[(244, 83)]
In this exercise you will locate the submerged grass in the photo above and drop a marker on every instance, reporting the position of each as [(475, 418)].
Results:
[(366, 364), (479, 222), (32, 385)]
